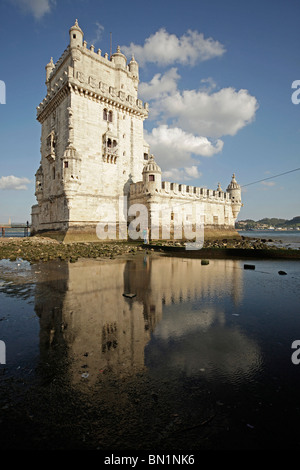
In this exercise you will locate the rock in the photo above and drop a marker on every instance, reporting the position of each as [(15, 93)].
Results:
[(249, 266), (282, 273), (204, 262)]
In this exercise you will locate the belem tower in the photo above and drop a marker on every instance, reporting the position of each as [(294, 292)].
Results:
[(93, 152)]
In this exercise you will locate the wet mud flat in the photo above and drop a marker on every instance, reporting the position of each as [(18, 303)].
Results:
[(34, 249), (198, 358), (138, 413)]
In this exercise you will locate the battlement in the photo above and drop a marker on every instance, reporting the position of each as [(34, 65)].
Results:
[(87, 80), (100, 92), (184, 191)]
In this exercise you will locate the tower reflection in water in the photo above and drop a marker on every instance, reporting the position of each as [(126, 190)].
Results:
[(181, 317)]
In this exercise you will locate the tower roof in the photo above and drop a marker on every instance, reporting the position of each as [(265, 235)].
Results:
[(233, 184), (132, 60), (151, 166), (119, 54), (76, 27)]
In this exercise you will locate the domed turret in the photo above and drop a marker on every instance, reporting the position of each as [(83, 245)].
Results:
[(152, 176), (234, 190), (76, 35), (134, 67), (119, 59), (49, 67)]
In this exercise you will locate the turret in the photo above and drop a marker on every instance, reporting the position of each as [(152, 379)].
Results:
[(134, 68), (49, 67), (152, 176), (76, 35), (234, 191), (119, 59)]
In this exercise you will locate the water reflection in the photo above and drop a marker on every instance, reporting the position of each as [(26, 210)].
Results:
[(180, 317), (193, 358)]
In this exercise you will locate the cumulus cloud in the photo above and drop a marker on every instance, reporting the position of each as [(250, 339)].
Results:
[(163, 48), (179, 140), (181, 174), (223, 112), (14, 182), (188, 124), (174, 148), (160, 85), (205, 112), (37, 7)]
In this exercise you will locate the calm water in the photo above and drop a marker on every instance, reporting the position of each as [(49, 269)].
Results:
[(199, 358)]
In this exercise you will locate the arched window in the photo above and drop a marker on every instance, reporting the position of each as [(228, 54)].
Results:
[(107, 115)]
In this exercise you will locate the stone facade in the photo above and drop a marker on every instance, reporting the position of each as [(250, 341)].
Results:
[(93, 151)]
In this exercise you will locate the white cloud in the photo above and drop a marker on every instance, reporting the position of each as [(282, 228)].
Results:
[(192, 172), (98, 33), (208, 84), (188, 123), (37, 7), (163, 48), (173, 147), (268, 184), (224, 112), (14, 183), (160, 85), (181, 174)]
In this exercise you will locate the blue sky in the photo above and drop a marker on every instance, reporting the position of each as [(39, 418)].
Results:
[(217, 75)]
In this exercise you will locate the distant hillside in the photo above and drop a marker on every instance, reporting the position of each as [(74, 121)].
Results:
[(272, 221), (269, 222), (295, 220)]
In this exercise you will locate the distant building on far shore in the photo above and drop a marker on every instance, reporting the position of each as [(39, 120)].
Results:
[(93, 151)]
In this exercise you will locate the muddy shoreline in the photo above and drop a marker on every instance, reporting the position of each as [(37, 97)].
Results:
[(36, 249)]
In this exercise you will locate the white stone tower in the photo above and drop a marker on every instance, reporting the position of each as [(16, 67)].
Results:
[(92, 144), (93, 151)]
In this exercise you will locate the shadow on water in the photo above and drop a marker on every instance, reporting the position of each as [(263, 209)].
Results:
[(199, 357)]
